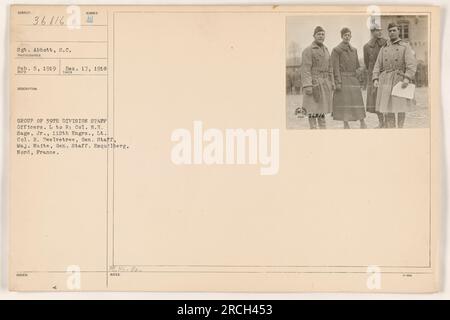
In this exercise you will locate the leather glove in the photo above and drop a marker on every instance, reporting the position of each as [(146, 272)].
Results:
[(375, 83), (308, 91), (405, 83)]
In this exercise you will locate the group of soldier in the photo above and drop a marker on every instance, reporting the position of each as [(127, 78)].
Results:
[(331, 83)]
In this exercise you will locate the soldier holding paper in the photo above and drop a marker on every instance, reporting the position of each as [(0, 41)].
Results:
[(395, 63)]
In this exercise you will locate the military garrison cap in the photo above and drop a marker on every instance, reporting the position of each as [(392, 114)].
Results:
[(392, 25), (318, 29), (345, 30), (375, 26)]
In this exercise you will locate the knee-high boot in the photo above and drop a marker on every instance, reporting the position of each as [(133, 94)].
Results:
[(312, 122), (381, 123), (321, 121), (401, 119)]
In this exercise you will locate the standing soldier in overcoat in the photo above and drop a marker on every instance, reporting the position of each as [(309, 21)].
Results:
[(317, 80), (371, 50), (395, 63), (348, 103)]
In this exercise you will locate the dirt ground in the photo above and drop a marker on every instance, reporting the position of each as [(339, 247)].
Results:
[(416, 118)]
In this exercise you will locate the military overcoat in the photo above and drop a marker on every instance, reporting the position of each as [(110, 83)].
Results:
[(395, 61), (348, 103), (371, 50), (317, 72)]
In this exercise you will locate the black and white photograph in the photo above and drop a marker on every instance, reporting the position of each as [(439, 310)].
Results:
[(357, 72), (149, 152)]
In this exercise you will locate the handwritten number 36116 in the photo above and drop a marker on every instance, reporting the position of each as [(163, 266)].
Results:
[(48, 20)]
